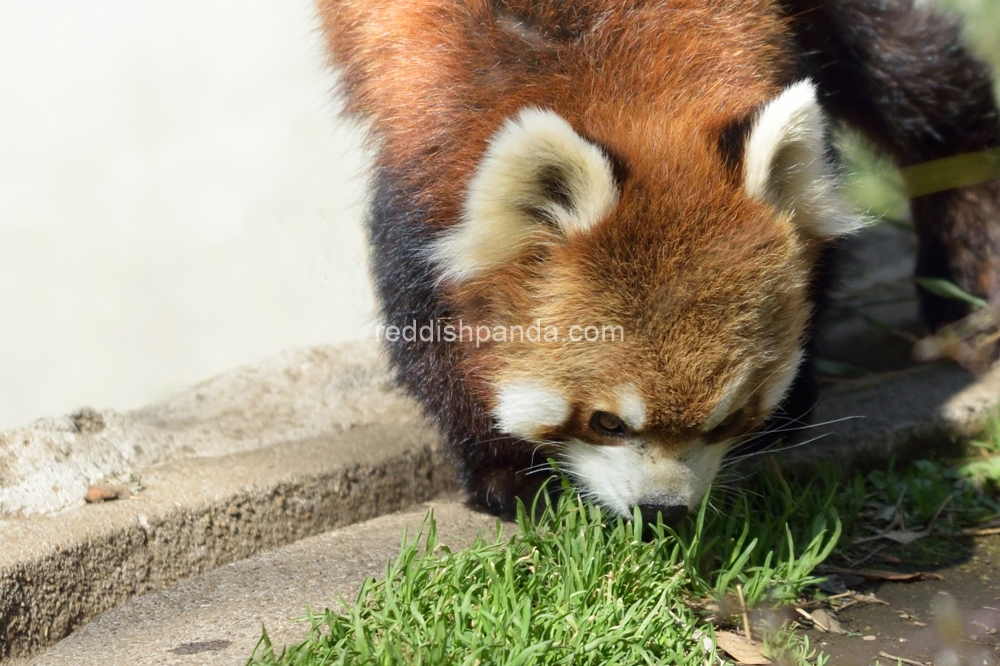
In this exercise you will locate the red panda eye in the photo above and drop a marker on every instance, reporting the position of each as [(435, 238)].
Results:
[(727, 422), (607, 424)]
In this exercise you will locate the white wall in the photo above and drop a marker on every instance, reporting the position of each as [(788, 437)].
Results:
[(175, 198)]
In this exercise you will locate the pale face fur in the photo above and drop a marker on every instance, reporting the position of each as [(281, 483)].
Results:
[(705, 276)]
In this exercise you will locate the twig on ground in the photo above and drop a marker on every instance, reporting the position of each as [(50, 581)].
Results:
[(743, 609), (880, 575), (867, 557), (901, 659), (904, 535), (975, 531), (937, 513)]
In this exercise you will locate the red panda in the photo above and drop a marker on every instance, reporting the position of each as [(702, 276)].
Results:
[(659, 169)]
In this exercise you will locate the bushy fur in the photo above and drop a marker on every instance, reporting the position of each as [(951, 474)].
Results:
[(714, 280)]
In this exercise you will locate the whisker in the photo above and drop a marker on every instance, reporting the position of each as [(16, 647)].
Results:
[(807, 426), (754, 437), (730, 462)]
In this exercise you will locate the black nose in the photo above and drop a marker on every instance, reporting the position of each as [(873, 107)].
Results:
[(672, 514)]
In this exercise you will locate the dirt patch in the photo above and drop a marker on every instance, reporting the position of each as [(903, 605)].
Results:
[(953, 622)]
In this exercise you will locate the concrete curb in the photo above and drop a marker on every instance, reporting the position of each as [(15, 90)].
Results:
[(296, 395), (921, 412), (58, 572), (257, 458), (216, 619)]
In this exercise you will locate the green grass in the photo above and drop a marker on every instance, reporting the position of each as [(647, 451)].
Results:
[(575, 587), (966, 488), (569, 585)]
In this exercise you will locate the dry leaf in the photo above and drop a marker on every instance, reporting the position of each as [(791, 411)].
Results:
[(826, 622), (891, 576), (887, 514), (740, 649), (867, 599), (104, 492), (896, 577), (970, 342), (905, 536)]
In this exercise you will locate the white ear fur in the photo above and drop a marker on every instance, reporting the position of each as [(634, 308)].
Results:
[(511, 198), (526, 408), (787, 167)]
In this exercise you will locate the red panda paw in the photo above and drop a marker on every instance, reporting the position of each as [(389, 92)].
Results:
[(497, 490)]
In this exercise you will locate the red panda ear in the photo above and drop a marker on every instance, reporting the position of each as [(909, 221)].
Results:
[(539, 180), (786, 165)]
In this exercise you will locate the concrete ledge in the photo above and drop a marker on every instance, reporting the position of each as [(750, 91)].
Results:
[(294, 396), (916, 413), (60, 571), (260, 457), (215, 619)]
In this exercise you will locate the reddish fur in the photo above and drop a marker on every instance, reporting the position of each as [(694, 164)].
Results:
[(704, 279), (701, 276), (437, 78)]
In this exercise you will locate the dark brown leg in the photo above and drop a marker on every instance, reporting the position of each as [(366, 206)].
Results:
[(902, 76)]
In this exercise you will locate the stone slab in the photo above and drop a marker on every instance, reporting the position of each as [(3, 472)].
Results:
[(916, 413), (216, 619), (57, 572), (294, 396)]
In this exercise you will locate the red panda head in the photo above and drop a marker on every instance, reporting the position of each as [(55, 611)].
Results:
[(646, 306)]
